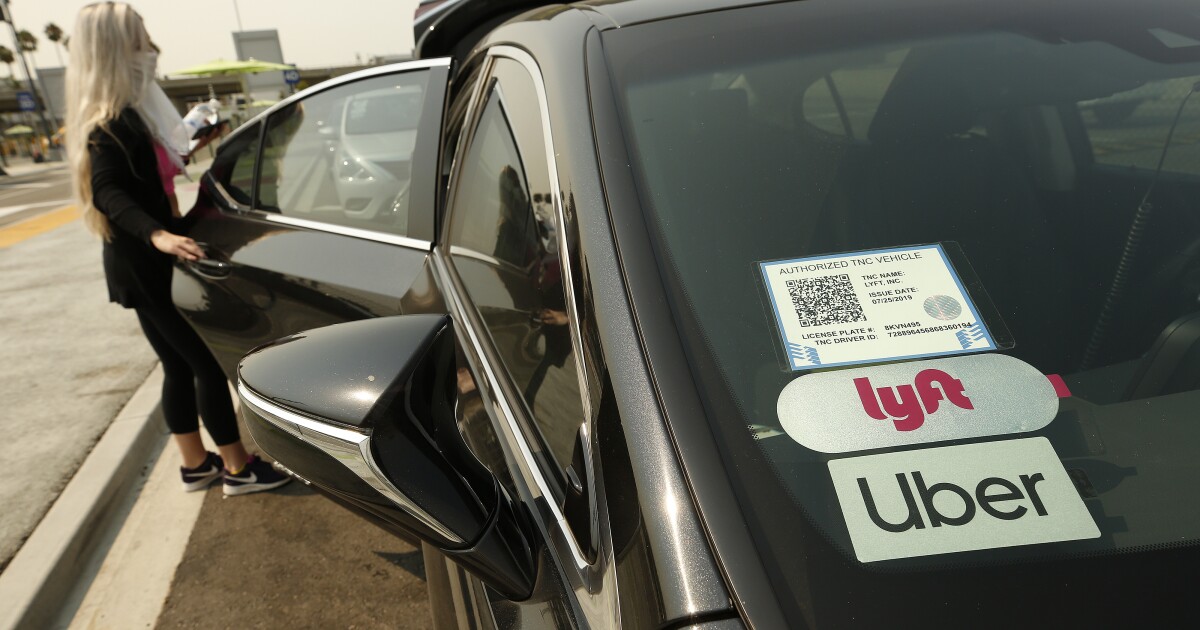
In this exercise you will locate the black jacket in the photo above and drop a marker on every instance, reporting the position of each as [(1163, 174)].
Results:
[(127, 189)]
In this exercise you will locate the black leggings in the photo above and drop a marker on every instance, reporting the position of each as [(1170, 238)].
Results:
[(191, 376)]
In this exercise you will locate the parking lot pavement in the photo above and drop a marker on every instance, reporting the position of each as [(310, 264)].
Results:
[(282, 559), (293, 559)]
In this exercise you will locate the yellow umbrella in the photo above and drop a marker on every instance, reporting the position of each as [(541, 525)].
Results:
[(222, 66), (18, 130)]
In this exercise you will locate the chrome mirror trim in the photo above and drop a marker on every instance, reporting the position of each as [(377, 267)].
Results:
[(349, 447)]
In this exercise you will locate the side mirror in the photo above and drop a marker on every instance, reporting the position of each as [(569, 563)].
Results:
[(364, 411)]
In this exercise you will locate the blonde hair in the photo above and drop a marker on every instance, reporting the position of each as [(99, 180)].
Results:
[(100, 83)]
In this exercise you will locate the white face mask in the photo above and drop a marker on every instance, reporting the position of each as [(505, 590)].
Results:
[(156, 109), (145, 67)]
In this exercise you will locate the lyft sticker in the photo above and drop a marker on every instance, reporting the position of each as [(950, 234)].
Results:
[(916, 402), (958, 498), (872, 306)]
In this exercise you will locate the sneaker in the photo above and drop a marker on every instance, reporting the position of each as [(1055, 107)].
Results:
[(255, 476), (200, 477)]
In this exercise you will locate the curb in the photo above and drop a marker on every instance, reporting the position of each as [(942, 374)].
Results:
[(59, 554), (19, 170)]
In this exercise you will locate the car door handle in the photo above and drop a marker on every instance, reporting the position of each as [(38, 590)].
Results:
[(211, 267)]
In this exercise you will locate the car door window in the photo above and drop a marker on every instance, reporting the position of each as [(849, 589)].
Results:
[(233, 167), (344, 155), (503, 238)]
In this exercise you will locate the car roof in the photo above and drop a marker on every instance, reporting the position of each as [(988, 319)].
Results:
[(629, 12), (445, 29)]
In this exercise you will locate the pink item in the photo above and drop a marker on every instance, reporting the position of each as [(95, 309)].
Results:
[(166, 168), (1060, 386)]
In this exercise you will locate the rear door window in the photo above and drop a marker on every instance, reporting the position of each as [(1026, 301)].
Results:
[(344, 156)]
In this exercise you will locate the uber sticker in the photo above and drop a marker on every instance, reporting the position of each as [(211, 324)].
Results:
[(958, 498), (916, 402), (872, 306)]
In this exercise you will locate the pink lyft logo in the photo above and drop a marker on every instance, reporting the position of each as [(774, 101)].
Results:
[(901, 403)]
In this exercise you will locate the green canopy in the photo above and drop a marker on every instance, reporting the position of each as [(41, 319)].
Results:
[(221, 66), (18, 130)]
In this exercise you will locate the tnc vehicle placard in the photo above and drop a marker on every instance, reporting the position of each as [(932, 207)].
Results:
[(872, 306)]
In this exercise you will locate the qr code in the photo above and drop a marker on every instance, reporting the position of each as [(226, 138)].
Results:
[(825, 300)]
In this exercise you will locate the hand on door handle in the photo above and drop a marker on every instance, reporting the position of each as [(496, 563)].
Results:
[(212, 266)]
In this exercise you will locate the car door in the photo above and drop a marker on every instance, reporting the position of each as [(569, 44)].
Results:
[(319, 211), (524, 405)]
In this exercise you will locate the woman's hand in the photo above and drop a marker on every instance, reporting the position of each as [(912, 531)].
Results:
[(176, 245), (203, 141)]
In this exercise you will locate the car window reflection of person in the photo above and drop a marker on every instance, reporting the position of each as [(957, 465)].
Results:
[(523, 239), (516, 242), (115, 117)]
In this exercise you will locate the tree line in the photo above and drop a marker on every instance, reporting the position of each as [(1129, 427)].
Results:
[(28, 42)]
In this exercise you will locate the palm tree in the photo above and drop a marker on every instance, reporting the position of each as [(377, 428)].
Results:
[(7, 58), (55, 34), (27, 41)]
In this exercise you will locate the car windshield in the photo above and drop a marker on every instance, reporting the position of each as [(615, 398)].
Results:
[(936, 269)]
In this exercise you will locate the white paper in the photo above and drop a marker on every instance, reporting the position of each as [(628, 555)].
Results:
[(872, 306), (958, 498)]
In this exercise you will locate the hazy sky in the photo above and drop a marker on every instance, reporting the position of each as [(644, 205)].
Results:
[(190, 32)]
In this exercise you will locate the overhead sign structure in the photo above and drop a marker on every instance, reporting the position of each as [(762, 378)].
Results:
[(26, 102)]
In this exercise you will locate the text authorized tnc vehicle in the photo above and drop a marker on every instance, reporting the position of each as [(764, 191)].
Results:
[(656, 314)]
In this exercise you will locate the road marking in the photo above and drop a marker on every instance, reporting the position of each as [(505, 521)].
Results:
[(26, 185), (25, 206), (30, 228)]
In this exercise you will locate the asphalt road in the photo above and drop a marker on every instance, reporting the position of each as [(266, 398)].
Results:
[(68, 359), (25, 195)]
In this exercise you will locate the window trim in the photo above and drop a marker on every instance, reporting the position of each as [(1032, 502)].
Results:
[(464, 311), (564, 250), (494, 94), (250, 211)]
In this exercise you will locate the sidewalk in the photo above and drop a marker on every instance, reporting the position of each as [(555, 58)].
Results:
[(26, 166), (63, 552)]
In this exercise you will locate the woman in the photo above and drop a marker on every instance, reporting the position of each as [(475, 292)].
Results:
[(116, 122)]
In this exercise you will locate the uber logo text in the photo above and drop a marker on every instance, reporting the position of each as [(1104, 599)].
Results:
[(958, 498), (965, 505)]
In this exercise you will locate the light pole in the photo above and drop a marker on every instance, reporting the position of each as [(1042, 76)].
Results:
[(6, 14), (238, 14)]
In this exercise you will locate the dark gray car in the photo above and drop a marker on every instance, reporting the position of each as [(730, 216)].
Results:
[(770, 315)]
